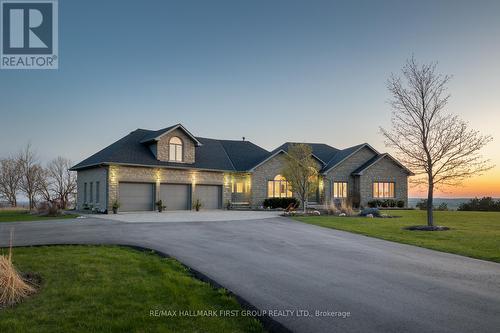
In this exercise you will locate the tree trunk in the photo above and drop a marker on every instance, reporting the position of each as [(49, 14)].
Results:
[(430, 205)]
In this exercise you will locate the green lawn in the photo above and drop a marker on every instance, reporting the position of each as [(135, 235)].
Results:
[(23, 215), (113, 289), (472, 234)]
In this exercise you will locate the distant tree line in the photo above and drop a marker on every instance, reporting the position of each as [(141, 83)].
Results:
[(487, 204), (23, 174)]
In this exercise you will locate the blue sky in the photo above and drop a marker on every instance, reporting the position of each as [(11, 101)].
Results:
[(271, 71)]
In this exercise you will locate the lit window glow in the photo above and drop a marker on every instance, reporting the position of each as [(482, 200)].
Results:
[(383, 190), (279, 187)]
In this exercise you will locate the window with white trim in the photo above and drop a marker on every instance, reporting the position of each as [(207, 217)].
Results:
[(340, 189), (279, 187), (383, 190), (175, 149)]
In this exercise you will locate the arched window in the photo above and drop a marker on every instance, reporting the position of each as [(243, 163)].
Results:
[(175, 149), (279, 187)]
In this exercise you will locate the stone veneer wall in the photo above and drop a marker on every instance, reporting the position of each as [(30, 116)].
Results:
[(98, 174), (188, 151), (384, 171), (343, 172), (266, 172), (157, 176)]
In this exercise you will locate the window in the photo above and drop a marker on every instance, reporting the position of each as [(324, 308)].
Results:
[(91, 192), (97, 198), (175, 149), (383, 189), (84, 192), (239, 187), (340, 189), (279, 187)]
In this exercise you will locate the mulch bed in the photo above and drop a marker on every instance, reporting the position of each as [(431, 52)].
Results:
[(426, 228)]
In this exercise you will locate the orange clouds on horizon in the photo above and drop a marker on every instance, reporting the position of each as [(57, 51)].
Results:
[(482, 186)]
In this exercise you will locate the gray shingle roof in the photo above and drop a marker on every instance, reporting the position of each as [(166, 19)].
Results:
[(341, 155), (322, 151), (225, 155)]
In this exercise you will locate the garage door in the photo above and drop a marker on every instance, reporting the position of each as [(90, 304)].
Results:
[(136, 196), (175, 196), (209, 195)]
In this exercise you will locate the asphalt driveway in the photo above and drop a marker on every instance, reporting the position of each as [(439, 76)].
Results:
[(213, 215), (278, 264)]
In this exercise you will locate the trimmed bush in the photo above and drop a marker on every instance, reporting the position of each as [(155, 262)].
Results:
[(400, 204), (279, 202)]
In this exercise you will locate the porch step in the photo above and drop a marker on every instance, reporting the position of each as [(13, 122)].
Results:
[(240, 206)]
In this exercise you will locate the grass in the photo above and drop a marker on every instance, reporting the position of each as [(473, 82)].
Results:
[(472, 234), (24, 215), (113, 289)]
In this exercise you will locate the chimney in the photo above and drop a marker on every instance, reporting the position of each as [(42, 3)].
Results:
[(243, 138)]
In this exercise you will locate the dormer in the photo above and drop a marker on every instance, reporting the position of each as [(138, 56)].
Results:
[(172, 144)]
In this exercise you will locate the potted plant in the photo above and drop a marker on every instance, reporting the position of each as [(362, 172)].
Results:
[(116, 205), (160, 206), (197, 205)]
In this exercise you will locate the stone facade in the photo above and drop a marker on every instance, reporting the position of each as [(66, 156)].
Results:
[(343, 173), (384, 170), (267, 171), (162, 147), (237, 187), (158, 176)]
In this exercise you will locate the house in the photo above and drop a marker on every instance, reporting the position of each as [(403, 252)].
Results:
[(177, 167)]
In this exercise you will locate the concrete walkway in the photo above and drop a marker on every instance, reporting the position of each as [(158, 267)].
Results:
[(188, 216), (287, 268)]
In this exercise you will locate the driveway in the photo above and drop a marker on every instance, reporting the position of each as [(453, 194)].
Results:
[(278, 264), (189, 216)]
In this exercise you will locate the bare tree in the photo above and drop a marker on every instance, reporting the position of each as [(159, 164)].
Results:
[(63, 181), (10, 180), (31, 172), (300, 170), (45, 186), (440, 148)]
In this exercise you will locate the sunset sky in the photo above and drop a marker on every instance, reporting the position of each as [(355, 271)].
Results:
[(272, 71)]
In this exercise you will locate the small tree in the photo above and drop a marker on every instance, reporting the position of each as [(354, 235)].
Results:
[(300, 170), (440, 148), (10, 180)]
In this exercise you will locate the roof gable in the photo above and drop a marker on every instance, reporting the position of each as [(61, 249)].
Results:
[(156, 135), (359, 171), (344, 154)]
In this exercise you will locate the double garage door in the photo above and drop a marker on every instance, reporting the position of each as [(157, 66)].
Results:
[(141, 196)]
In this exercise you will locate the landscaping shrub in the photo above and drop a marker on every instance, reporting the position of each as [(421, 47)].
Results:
[(279, 202), (486, 204), (388, 203), (47, 208), (370, 211), (13, 288)]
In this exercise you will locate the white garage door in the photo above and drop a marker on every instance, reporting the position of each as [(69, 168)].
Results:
[(209, 195), (175, 196), (136, 196)]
